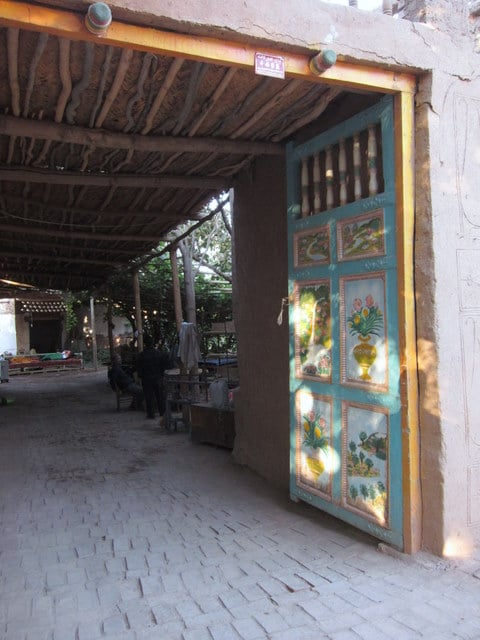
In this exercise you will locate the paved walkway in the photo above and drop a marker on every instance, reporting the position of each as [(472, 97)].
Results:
[(110, 529)]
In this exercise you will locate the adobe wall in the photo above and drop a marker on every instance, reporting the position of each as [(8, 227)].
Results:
[(260, 276), (302, 25), (448, 308)]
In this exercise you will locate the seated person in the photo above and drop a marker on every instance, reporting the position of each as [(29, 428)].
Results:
[(119, 378), (128, 353)]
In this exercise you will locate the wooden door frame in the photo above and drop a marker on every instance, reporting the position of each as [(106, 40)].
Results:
[(71, 25), (405, 199)]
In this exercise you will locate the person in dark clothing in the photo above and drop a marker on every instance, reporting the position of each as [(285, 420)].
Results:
[(151, 365), (117, 376)]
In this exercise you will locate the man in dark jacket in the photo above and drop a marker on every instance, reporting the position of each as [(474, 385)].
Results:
[(118, 377), (151, 365)]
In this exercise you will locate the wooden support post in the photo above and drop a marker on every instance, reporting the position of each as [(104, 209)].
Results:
[(111, 346), (138, 310), (177, 299), (94, 333)]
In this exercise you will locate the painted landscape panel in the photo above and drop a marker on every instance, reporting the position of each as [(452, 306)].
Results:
[(312, 247), (362, 236), (365, 454)]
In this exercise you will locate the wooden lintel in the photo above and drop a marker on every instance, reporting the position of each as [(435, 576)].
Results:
[(39, 176), (43, 130), (66, 24)]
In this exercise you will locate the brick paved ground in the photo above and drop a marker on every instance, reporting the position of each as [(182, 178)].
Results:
[(110, 529)]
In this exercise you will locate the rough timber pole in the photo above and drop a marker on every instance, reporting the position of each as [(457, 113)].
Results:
[(138, 310), (94, 333)]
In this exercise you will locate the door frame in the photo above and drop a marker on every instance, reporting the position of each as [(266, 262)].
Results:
[(68, 24), (404, 176), (408, 525)]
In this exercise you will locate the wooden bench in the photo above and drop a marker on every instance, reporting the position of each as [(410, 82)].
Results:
[(35, 363)]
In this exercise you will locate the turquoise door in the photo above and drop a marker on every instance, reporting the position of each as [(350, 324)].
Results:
[(345, 409)]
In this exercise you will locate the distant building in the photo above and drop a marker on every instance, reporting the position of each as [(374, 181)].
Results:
[(32, 320), (35, 321)]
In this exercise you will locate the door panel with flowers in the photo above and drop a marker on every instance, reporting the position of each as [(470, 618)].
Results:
[(344, 373)]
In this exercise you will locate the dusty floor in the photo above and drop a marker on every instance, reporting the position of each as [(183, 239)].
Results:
[(111, 529)]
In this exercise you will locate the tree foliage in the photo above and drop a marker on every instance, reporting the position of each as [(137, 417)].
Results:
[(211, 246), (211, 253)]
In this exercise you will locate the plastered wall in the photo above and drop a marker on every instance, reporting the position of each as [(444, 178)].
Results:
[(260, 267), (23, 334), (8, 338), (448, 309)]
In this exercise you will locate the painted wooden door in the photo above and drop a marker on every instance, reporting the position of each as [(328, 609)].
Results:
[(345, 409)]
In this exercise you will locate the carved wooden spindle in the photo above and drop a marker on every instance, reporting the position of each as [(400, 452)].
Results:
[(372, 161), (357, 188), (316, 184), (342, 170), (329, 176), (387, 7), (305, 185)]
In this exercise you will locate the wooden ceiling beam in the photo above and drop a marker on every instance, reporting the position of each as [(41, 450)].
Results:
[(50, 245), (36, 275), (66, 24), (70, 134), (81, 235), (48, 207), (49, 257), (40, 176)]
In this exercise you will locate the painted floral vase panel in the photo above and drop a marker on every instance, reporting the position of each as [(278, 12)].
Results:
[(312, 247), (364, 330), (313, 340), (366, 460), (315, 456), (362, 236)]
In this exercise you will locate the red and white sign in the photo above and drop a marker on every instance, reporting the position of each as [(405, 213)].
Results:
[(266, 65)]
